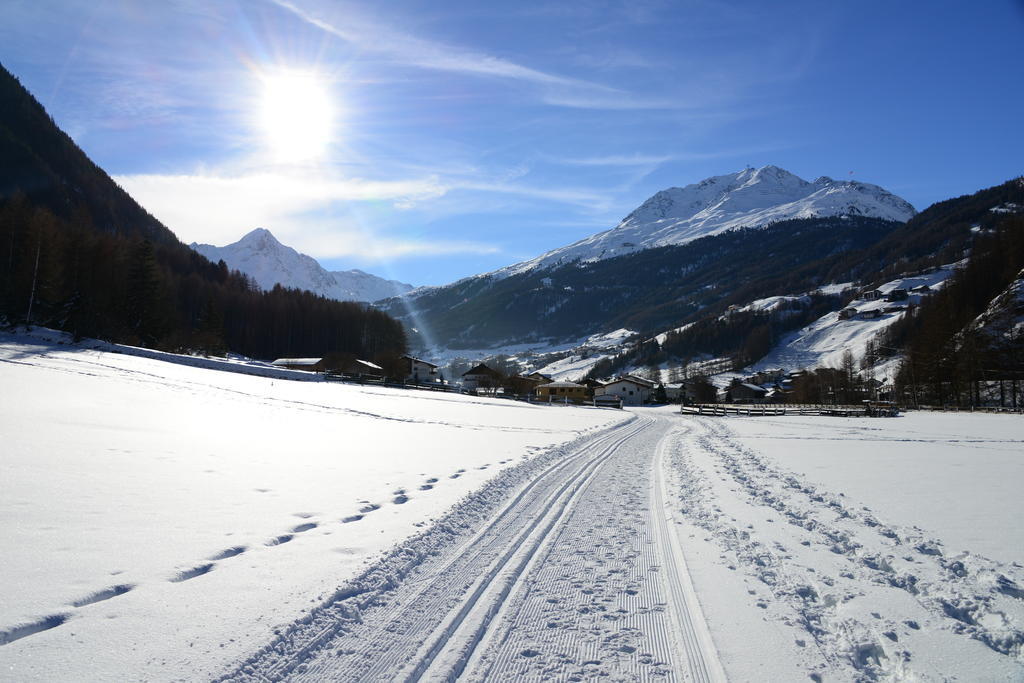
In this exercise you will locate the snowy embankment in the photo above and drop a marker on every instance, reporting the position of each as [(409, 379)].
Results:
[(857, 549), (160, 521)]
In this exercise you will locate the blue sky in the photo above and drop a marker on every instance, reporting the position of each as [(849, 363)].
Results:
[(456, 137)]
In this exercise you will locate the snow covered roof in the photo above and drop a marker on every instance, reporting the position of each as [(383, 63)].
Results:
[(632, 379), (419, 360), (297, 361), (372, 366), (562, 385)]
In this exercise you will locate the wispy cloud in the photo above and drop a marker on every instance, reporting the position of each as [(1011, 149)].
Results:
[(400, 47), (584, 198), (424, 53)]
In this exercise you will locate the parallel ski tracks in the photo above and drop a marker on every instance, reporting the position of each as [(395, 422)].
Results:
[(465, 613), (430, 612)]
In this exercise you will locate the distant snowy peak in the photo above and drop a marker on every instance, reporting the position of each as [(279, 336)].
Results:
[(747, 199), (263, 258)]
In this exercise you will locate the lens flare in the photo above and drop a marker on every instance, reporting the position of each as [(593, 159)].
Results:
[(296, 115)]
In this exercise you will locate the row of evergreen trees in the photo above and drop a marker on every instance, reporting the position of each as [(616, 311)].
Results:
[(66, 274)]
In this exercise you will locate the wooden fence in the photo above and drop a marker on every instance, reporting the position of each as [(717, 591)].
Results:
[(333, 376), (769, 409)]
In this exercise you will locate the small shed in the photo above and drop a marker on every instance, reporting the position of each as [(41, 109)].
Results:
[(608, 401)]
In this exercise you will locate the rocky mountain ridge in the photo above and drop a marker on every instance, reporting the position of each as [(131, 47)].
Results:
[(262, 257), (750, 198)]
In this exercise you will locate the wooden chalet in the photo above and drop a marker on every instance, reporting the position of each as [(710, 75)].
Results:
[(744, 392), (481, 377)]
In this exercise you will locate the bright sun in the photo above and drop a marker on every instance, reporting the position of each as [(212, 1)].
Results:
[(296, 115)]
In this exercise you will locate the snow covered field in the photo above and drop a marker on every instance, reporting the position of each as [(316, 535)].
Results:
[(956, 475), (167, 522), (857, 549), (159, 521)]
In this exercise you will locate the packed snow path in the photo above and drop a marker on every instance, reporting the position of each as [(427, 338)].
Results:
[(579, 575)]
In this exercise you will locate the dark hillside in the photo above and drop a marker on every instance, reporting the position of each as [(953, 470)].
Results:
[(938, 235), (648, 291), (42, 162)]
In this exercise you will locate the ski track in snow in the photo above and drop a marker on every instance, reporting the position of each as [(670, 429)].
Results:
[(811, 556), (563, 567)]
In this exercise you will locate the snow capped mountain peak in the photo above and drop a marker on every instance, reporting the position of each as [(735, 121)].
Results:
[(259, 238), (750, 198), (262, 257)]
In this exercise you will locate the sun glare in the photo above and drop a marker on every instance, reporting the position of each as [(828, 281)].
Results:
[(296, 115)]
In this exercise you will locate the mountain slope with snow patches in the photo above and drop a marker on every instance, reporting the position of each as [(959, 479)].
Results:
[(747, 199), (261, 256)]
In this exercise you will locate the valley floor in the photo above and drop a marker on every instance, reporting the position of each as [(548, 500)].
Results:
[(161, 522)]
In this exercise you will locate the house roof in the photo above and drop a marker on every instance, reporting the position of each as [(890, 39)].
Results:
[(420, 360), (530, 378), (297, 361), (754, 387), (481, 370), (368, 364), (562, 385), (639, 381)]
